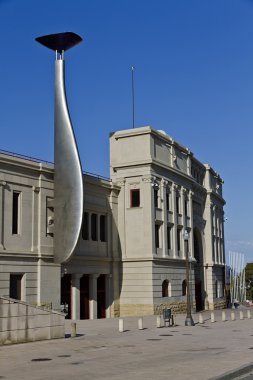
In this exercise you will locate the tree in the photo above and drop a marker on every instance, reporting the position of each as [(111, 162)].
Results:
[(249, 280)]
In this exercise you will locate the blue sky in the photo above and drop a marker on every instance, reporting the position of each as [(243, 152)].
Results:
[(193, 79)]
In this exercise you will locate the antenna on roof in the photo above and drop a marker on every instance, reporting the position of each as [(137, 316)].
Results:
[(132, 71)]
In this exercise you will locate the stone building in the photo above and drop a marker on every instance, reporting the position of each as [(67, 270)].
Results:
[(131, 255)]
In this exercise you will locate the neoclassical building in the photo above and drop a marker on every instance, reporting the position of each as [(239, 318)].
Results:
[(131, 254)]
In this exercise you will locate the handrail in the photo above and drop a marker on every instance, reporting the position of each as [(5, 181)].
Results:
[(38, 160)]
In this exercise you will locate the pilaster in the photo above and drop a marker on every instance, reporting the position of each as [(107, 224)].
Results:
[(174, 209)]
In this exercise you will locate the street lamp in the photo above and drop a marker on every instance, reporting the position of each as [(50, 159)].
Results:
[(188, 321)]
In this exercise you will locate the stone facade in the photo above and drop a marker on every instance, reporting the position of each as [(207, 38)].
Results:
[(131, 254)]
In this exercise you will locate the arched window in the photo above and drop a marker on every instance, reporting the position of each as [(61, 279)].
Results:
[(166, 288), (184, 288)]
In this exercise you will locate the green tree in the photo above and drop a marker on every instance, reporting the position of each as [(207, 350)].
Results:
[(249, 280)]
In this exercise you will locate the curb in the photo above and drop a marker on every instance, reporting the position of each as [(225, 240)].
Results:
[(234, 373)]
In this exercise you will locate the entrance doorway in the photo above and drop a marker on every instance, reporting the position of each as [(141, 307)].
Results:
[(101, 298), (16, 286), (84, 297), (66, 294)]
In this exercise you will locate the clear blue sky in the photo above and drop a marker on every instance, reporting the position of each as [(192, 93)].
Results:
[(193, 79)]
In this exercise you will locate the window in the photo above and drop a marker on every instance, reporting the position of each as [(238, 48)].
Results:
[(169, 237), (16, 286), (168, 201), (135, 198), (184, 288), (186, 207), (177, 204), (94, 236), (178, 240), (85, 226), (157, 242), (103, 228), (166, 288), (156, 198), (16, 213)]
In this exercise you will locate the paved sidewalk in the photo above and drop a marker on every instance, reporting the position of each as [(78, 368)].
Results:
[(99, 351)]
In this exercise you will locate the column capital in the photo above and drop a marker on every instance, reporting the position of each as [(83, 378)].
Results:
[(76, 276), (148, 179), (3, 183), (121, 182), (36, 189), (95, 275)]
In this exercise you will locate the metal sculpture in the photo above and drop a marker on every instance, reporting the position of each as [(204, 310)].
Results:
[(68, 181)]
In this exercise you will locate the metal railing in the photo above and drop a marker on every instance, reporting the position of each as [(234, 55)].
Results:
[(38, 160)]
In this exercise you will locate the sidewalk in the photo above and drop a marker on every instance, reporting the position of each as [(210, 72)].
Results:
[(99, 351)]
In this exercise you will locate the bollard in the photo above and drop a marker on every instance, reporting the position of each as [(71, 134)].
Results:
[(212, 318), (73, 329), (121, 325), (241, 315), (158, 321), (248, 314), (201, 320), (140, 323), (223, 316), (232, 315)]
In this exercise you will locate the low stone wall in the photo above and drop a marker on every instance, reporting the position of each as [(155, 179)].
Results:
[(176, 307), (131, 310), (220, 304), (21, 322), (128, 310)]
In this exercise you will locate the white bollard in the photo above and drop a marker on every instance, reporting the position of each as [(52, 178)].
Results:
[(232, 316), (121, 325), (223, 316), (140, 323), (241, 315), (201, 320), (248, 314), (158, 321), (73, 329), (212, 318)]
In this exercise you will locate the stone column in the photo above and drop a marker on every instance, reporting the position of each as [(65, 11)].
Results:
[(2, 186), (164, 213), (182, 199), (174, 210), (190, 208), (75, 296), (214, 233), (93, 295)]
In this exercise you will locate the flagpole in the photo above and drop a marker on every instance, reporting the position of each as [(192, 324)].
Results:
[(132, 71)]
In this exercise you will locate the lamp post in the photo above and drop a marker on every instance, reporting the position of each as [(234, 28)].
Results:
[(188, 320)]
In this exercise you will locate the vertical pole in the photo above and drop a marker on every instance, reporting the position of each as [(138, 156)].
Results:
[(132, 71)]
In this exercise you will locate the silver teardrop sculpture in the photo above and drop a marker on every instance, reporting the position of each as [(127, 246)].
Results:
[(68, 181)]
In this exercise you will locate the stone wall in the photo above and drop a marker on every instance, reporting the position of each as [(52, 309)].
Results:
[(21, 322), (131, 310), (176, 307), (220, 304)]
